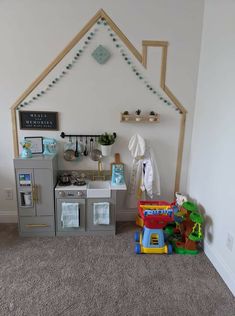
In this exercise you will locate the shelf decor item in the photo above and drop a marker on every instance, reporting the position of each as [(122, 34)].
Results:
[(138, 117), (37, 120), (49, 146), (144, 118), (152, 116), (36, 144), (101, 54), (126, 115), (26, 149), (106, 141)]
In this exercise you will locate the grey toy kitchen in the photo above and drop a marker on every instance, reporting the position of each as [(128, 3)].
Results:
[(53, 202)]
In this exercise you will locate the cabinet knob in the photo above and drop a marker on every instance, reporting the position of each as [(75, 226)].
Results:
[(61, 193)]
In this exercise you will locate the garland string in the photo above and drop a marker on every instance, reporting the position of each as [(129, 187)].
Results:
[(126, 57)]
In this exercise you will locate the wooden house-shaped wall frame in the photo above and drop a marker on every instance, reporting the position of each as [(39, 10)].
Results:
[(142, 58)]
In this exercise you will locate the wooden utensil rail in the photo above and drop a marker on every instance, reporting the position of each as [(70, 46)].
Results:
[(63, 135)]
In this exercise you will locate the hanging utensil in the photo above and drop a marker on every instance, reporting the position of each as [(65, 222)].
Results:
[(96, 154), (91, 145), (76, 148), (81, 146), (85, 153), (69, 153)]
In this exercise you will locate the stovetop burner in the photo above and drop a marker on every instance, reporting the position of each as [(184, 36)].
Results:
[(64, 184), (79, 182)]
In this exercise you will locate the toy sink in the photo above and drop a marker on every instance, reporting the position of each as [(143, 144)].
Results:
[(98, 189)]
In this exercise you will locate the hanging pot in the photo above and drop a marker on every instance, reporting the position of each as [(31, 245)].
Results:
[(69, 155), (64, 178), (106, 150), (69, 152), (95, 153), (73, 150)]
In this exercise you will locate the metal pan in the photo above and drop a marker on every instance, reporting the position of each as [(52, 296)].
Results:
[(69, 155), (96, 154), (69, 152)]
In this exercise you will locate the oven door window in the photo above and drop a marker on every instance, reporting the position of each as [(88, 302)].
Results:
[(101, 213), (70, 215)]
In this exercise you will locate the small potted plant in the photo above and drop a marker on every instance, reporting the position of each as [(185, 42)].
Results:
[(138, 117), (152, 116), (106, 141), (126, 115)]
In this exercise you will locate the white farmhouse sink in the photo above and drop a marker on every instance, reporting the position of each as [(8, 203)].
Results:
[(98, 189)]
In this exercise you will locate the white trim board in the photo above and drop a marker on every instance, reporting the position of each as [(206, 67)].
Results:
[(222, 268)]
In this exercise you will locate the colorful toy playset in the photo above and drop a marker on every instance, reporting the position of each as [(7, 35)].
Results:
[(167, 226), (189, 222), (153, 216)]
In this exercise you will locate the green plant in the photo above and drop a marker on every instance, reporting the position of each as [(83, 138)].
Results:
[(26, 144), (152, 113), (138, 112), (125, 113), (106, 139)]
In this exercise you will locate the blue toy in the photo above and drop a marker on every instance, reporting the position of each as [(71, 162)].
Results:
[(151, 241), (49, 145)]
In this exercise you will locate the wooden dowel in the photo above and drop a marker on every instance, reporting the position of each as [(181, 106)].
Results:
[(163, 67), (174, 99), (154, 43), (115, 28), (145, 55), (180, 152)]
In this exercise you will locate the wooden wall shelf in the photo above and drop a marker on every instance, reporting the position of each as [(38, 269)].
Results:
[(133, 118)]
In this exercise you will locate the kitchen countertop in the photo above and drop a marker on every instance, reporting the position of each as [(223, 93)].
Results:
[(84, 187), (70, 187), (118, 186)]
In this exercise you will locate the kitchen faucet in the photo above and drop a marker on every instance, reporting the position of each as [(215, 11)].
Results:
[(100, 167), (100, 174)]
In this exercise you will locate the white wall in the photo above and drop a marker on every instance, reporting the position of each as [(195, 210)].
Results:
[(212, 172), (34, 32)]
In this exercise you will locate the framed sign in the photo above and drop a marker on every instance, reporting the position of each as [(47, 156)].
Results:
[(38, 120), (37, 144)]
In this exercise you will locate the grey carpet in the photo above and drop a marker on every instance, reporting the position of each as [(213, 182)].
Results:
[(96, 275)]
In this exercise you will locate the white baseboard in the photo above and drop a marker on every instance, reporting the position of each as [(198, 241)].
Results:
[(222, 268), (8, 218)]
